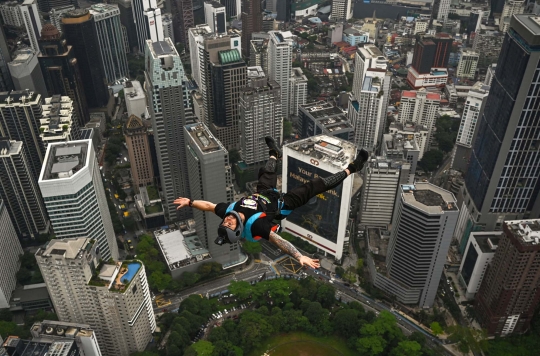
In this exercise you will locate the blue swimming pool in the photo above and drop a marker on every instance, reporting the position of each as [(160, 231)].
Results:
[(132, 269)]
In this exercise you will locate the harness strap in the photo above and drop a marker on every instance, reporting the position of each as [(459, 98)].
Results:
[(247, 229)]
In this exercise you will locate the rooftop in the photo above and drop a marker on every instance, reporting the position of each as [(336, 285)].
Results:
[(204, 139), (116, 276), (8, 147), (526, 231), (229, 56), (255, 72), (29, 293), (428, 198), (487, 243), (49, 329), (65, 159), (67, 248), (325, 148), (162, 48), (180, 250)]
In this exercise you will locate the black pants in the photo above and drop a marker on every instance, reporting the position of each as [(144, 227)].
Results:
[(296, 197)]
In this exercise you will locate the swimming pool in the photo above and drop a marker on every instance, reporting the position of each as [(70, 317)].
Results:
[(132, 269)]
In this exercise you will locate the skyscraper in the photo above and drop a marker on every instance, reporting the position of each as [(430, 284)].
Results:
[(467, 64), (210, 179), (510, 8), (323, 220), (80, 32), (365, 58), (61, 72), (260, 116), (298, 90), (47, 5), (10, 250), (19, 121), (170, 109), (71, 185), (500, 184), (342, 10), (147, 18), (280, 52), (182, 11), (423, 222), (111, 41), (32, 22), (368, 111), (420, 107), (56, 14), (20, 192), (26, 72), (431, 52), (128, 21), (510, 291), (215, 16), (112, 297), (136, 135), (444, 9), (59, 122), (168, 26), (196, 43), (251, 22)]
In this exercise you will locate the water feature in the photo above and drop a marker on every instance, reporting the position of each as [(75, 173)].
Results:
[(132, 267)]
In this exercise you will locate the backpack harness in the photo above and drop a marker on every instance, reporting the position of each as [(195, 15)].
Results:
[(247, 227)]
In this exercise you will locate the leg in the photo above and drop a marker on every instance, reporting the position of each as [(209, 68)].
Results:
[(267, 176)]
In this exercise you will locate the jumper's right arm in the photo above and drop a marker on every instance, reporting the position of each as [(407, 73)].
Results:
[(197, 204)]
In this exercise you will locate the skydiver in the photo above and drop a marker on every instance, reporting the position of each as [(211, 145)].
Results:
[(252, 217)]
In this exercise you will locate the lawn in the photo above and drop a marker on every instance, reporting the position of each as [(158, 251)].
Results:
[(152, 209), (152, 192), (302, 344)]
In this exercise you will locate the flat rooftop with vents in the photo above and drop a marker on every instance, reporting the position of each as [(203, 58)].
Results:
[(179, 248), (428, 197), (327, 149), (65, 159)]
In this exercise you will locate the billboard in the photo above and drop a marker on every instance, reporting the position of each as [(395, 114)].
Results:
[(321, 214)]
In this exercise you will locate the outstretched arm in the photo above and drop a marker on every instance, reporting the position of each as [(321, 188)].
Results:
[(197, 204), (289, 249)]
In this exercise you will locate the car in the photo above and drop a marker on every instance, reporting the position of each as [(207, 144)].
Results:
[(447, 281)]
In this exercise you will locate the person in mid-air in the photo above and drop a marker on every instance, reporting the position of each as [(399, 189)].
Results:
[(252, 217)]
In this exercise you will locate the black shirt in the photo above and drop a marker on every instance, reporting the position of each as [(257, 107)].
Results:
[(248, 206)]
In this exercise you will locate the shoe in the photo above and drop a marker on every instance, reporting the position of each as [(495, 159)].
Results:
[(274, 150), (359, 161)]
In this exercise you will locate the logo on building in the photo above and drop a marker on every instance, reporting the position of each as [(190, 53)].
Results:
[(314, 162)]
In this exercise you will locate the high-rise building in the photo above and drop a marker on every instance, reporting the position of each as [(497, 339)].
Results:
[(56, 14), (182, 11), (61, 72), (14, 346), (72, 187), (135, 98), (59, 122), (127, 20), (260, 116), (467, 64), (280, 54), (210, 179), (26, 72), (323, 118), (367, 112), (168, 26), (112, 297), (475, 20), (411, 131), (365, 58), (383, 176), (251, 22), (490, 74), (420, 107), (148, 23), (432, 52), (10, 250), (342, 10), (444, 9), (323, 221), (136, 135), (423, 221), (80, 32), (510, 8), (499, 185), (233, 8), (47, 5), (32, 22), (196, 39), (258, 54), (283, 9), (111, 41), (11, 14), (82, 334), (170, 109), (19, 121), (215, 16), (20, 192), (6, 83), (472, 112), (510, 291), (477, 256), (298, 90), (497, 7)]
